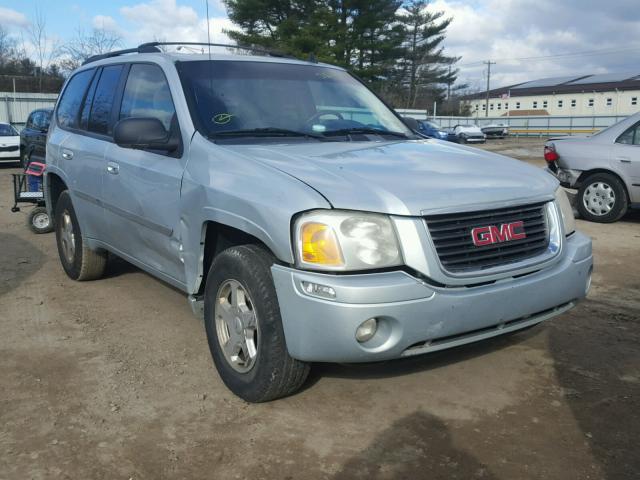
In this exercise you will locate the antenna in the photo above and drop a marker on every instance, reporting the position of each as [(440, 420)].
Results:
[(206, 2)]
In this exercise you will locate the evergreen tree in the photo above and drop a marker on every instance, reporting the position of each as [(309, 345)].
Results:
[(424, 66), (395, 46)]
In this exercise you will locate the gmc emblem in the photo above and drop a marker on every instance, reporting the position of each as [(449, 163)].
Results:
[(492, 234)]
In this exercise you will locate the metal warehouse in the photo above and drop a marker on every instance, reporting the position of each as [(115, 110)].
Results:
[(604, 94)]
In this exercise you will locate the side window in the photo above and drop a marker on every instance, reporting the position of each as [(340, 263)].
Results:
[(100, 116), (147, 94), (29, 123), (86, 107), (69, 105), (631, 136)]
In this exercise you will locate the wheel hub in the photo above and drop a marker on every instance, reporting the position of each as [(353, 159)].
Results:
[(236, 326), (599, 199), (41, 221), (67, 237)]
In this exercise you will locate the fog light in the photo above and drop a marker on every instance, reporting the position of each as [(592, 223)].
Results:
[(317, 290), (367, 330)]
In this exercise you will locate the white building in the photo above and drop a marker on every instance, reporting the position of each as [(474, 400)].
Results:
[(606, 94)]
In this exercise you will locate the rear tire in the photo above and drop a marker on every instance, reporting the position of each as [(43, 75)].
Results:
[(79, 262), (250, 354), (602, 198), (39, 221)]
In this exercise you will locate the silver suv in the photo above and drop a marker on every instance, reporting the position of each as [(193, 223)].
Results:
[(300, 214)]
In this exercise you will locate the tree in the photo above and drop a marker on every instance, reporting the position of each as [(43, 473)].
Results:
[(424, 65), (358, 34), (84, 45), (394, 46), (44, 47)]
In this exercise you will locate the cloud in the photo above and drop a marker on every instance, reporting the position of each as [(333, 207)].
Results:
[(166, 20), (12, 17), (105, 22), (504, 30)]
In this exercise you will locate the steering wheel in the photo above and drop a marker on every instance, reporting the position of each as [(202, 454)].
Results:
[(317, 115)]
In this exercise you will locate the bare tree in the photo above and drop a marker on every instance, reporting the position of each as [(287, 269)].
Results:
[(45, 49), (96, 42)]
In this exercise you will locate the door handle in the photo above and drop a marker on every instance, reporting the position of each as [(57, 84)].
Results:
[(624, 159), (67, 154), (113, 168)]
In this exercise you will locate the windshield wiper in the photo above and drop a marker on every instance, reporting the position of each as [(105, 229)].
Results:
[(364, 131), (264, 132)]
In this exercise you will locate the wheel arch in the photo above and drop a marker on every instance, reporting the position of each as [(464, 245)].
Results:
[(55, 185), (217, 237)]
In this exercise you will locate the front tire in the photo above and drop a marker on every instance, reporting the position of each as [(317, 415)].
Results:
[(244, 327), (79, 262), (39, 221), (602, 198)]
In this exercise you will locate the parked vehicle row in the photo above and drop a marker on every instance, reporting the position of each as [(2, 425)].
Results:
[(303, 235)]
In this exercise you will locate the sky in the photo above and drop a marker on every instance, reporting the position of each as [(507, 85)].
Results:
[(575, 36)]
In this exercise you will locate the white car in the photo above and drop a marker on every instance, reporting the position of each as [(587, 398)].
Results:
[(9, 144), (469, 134)]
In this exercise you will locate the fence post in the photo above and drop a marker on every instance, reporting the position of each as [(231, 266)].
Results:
[(571, 126), (7, 108)]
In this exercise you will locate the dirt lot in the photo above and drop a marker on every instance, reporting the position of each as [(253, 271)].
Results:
[(113, 379)]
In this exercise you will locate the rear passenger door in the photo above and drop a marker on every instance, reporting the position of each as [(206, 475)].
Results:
[(82, 152), (142, 187)]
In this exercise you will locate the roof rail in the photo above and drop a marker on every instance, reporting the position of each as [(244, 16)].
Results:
[(152, 47), (272, 53)]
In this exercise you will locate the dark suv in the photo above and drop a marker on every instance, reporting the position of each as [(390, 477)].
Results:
[(33, 137)]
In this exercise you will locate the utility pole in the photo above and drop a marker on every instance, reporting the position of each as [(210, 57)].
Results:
[(488, 63)]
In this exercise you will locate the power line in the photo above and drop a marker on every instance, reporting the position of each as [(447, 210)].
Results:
[(558, 55)]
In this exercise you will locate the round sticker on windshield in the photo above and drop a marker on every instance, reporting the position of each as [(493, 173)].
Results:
[(222, 118)]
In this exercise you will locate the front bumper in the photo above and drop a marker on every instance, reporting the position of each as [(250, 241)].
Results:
[(10, 155), (416, 318)]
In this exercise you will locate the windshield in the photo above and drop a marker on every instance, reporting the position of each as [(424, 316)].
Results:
[(7, 130), (241, 97), (434, 125)]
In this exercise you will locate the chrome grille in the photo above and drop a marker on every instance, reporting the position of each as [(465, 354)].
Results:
[(451, 235)]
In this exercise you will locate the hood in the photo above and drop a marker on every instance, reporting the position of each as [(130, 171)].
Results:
[(407, 177), (469, 129), (9, 141)]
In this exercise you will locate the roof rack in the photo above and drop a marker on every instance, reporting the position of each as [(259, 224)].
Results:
[(152, 47)]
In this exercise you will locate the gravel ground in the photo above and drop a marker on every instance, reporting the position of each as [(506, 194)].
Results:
[(113, 379)]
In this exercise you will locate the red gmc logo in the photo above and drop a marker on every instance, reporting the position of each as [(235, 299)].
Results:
[(492, 234)]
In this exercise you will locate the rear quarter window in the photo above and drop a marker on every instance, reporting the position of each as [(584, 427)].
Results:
[(69, 105)]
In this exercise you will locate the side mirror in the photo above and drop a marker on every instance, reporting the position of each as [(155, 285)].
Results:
[(412, 123), (144, 134)]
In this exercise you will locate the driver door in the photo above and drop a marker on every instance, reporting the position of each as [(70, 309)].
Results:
[(142, 187)]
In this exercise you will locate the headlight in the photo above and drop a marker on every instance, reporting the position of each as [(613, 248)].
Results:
[(342, 240), (567, 211)]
